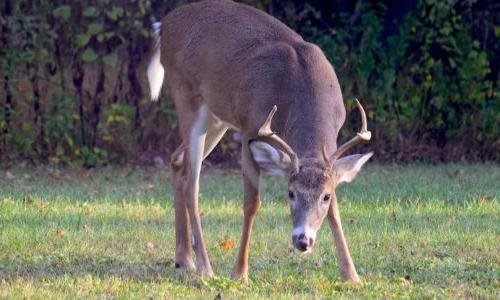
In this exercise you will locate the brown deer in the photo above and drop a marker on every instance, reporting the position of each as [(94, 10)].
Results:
[(232, 66)]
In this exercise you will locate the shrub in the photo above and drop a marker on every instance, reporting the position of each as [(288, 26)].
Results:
[(72, 84)]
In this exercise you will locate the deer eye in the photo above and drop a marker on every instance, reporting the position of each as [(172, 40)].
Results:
[(291, 195), (327, 197)]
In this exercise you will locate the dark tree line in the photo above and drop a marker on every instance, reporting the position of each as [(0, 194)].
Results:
[(73, 85)]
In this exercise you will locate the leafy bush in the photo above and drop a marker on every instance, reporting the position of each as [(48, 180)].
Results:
[(428, 89), (72, 84)]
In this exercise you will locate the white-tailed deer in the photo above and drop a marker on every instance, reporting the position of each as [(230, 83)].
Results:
[(232, 66)]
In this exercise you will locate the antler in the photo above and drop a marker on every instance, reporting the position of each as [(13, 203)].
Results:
[(267, 135), (362, 136)]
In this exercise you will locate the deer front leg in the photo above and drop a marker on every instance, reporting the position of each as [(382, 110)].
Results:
[(251, 205), (347, 269)]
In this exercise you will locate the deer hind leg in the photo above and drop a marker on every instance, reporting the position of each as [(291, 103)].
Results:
[(183, 260), (204, 134), (251, 174), (186, 187)]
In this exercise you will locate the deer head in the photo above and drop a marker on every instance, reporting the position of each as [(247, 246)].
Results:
[(311, 181)]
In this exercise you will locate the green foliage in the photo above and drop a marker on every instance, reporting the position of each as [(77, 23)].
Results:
[(430, 87)]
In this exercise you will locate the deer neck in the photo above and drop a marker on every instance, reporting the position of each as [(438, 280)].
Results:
[(308, 129)]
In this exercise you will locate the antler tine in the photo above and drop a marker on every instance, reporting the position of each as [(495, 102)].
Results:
[(362, 136), (267, 135), (265, 129)]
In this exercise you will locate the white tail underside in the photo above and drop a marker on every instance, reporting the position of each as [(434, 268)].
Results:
[(156, 72)]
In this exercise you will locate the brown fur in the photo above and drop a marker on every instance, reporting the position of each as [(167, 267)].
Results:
[(312, 174), (240, 62)]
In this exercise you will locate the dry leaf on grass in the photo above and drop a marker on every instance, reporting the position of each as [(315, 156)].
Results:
[(59, 233), (227, 244)]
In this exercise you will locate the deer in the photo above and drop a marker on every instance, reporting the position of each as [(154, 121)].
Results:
[(232, 66)]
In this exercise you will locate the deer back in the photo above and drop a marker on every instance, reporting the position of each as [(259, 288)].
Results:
[(242, 62)]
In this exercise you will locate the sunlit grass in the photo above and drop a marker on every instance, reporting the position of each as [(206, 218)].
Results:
[(414, 231)]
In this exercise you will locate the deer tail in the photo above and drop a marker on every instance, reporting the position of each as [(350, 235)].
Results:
[(156, 72)]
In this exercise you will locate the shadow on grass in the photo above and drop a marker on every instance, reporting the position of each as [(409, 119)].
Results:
[(151, 271)]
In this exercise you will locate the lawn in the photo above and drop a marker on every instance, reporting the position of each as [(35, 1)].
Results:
[(414, 231)]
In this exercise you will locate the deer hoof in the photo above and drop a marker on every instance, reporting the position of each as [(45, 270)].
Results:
[(243, 276), (355, 281), (206, 273), (185, 267)]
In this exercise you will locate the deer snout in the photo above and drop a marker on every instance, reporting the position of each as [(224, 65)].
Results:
[(303, 240)]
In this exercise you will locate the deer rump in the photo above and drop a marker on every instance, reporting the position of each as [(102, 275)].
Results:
[(240, 62)]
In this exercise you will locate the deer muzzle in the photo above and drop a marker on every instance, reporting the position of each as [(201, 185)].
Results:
[(303, 238)]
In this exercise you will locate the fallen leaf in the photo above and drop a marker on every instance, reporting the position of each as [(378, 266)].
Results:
[(59, 233), (227, 244)]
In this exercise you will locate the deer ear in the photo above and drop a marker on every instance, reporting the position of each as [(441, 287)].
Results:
[(271, 160), (347, 168)]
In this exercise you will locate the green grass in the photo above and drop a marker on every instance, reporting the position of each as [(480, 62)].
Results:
[(414, 231)]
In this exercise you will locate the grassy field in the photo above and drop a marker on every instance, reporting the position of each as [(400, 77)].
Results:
[(415, 231)]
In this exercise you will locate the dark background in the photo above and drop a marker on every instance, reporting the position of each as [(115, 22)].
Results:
[(73, 87)]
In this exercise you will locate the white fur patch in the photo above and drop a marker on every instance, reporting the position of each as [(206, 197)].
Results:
[(197, 141), (270, 159), (178, 160), (156, 27), (156, 72), (306, 230), (348, 167)]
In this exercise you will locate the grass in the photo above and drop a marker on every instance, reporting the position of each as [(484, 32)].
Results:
[(415, 231)]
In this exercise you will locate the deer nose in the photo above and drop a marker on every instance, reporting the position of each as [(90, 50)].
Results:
[(302, 242)]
